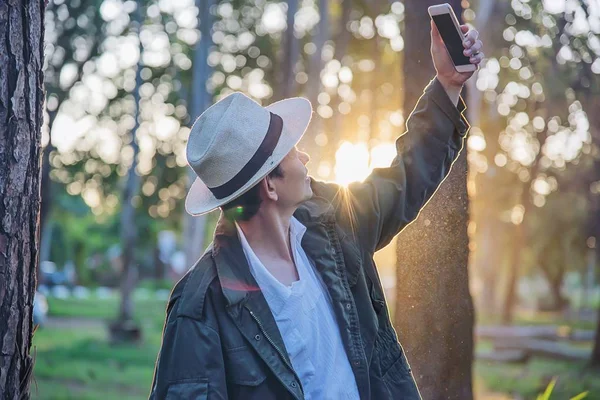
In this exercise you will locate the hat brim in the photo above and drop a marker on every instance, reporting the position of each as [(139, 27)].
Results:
[(296, 113)]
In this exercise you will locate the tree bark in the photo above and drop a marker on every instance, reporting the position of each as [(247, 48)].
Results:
[(434, 313), (21, 99)]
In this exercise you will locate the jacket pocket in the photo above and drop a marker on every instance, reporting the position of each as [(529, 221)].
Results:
[(400, 382), (398, 370), (244, 367), (188, 389), (387, 351)]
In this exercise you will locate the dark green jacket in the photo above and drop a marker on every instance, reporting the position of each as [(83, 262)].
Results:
[(220, 339)]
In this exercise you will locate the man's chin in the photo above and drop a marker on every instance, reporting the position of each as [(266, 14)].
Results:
[(308, 196)]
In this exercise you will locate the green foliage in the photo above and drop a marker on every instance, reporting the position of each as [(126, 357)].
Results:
[(548, 391), (550, 388), (580, 396)]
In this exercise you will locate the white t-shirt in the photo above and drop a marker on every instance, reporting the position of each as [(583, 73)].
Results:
[(306, 321)]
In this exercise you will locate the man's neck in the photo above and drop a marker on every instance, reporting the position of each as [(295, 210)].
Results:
[(268, 233)]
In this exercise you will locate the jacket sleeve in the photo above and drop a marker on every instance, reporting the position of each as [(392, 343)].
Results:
[(190, 362), (390, 198)]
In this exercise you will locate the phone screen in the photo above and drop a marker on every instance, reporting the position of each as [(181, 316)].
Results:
[(452, 39)]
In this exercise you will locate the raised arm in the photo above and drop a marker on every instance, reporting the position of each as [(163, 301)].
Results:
[(390, 198)]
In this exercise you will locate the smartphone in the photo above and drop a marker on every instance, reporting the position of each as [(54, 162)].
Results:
[(447, 24)]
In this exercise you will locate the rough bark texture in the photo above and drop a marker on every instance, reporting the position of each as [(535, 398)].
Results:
[(434, 313), (21, 98)]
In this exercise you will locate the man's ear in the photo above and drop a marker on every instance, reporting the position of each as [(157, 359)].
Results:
[(268, 189)]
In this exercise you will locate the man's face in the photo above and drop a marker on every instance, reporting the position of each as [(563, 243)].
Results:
[(294, 187)]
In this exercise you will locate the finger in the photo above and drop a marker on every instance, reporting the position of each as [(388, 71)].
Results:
[(464, 28), (477, 58), (471, 37), (473, 48)]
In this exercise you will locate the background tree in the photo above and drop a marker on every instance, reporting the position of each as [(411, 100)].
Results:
[(520, 161), (434, 314), (74, 31), (124, 328), (21, 99), (289, 55), (201, 99), (92, 132)]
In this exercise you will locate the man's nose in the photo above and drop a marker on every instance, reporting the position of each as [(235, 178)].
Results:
[(304, 157)]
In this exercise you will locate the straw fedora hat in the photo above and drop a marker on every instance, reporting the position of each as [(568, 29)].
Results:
[(236, 142)]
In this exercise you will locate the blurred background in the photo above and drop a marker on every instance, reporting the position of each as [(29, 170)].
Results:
[(508, 248)]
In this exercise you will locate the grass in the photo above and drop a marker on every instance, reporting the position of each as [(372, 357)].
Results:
[(531, 379), (107, 309), (81, 364)]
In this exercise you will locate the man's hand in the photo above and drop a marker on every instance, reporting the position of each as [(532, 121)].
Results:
[(451, 79)]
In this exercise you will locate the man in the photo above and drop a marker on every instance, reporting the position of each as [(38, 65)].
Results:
[(286, 303)]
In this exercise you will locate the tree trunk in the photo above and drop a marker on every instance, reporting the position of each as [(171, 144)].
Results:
[(290, 51), (591, 102), (488, 249), (554, 276), (334, 125), (314, 80), (591, 106), (595, 358), (513, 271), (558, 301), (194, 227), (128, 222), (520, 234), (159, 265), (21, 99), (434, 313)]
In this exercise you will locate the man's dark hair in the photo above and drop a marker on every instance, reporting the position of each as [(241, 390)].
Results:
[(246, 206)]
